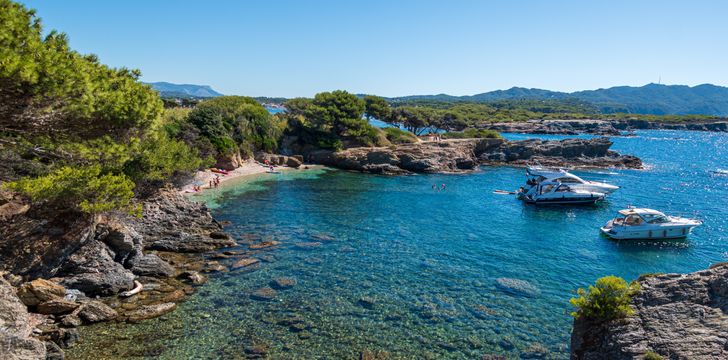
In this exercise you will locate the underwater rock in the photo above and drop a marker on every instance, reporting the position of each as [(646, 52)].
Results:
[(307, 245), (367, 302), (245, 262), (373, 355), (263, 245), (518, 287), (264, 294), (193, 277), (256, 351), (283, 283), (322, 237), (150, 311)]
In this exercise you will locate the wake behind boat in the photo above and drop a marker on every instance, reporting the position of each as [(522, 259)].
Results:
[(636, 223)]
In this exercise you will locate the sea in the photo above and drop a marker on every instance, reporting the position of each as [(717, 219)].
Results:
[(402, 267)]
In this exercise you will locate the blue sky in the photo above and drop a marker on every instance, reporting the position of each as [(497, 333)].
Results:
[(400, 47)]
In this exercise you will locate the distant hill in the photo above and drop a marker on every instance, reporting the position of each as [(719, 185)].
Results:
[(655, 99), (184, 90)]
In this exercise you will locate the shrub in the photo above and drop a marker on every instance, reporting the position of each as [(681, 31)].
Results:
[(473, 134), (159, 158), (608, 299), (650, 355), (399, 136), (81, 188)]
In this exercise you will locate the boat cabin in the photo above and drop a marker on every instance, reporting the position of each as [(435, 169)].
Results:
[(634, 217)]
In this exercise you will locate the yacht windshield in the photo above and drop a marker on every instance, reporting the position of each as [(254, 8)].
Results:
[(568, 180), (656, 218)]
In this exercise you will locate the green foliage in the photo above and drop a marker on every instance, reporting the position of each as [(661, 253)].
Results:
[(234, 123), (85, 189), (471, 133), (399, 136), (376, 107), (49, 89), (608, 299), (651, 355), (158, 158)]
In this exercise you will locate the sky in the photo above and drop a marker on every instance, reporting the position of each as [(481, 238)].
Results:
[(401, 47)]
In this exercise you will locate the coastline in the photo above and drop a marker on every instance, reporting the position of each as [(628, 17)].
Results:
[(247, 169)]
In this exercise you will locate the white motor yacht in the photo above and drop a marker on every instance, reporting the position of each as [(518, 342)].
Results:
[(547, 193), (539, 174), (636, 223)]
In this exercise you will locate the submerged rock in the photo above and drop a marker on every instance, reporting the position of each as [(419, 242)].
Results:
[(96, 311), (245, 262), (150, 311), (307, 245), (283, 283), (193, 277), (264, 293), (518, 287)]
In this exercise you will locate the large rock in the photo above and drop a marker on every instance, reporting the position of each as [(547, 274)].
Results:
[(465, 154), (57, 306), (40, 290), (171, 222), (676, 316), (150, 265), (16, 327), (92, 270), (96, 311)]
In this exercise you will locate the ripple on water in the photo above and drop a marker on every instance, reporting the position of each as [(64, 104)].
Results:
[(400, 269)]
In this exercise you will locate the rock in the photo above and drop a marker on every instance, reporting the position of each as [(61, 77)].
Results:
[(150, 311), (459, 155), (293, 162), (16, 341), (307, 245), (263, 245), (57, 306), (367, 302), (322, 237), (517, 287), (283, 283), (174, 296), (264, 293), (65, 338), (193, 277), (95, 311), (373, 355), (150, 265), (683, 315), (189, 243), (71, 320), (53, 351), (245, 262), (40, 290), (256, 351), (92, 270)]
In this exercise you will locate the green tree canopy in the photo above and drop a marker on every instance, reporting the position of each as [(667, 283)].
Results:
[(376, 107)]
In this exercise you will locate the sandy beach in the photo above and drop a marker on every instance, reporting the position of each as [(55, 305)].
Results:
[(251, 167)]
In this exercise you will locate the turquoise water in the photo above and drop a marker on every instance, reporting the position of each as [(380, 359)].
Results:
[(413, 271)]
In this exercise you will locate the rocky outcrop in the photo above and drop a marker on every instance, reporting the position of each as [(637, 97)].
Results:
[(463, 155), (16, 326), (272, 159), (678, 316), (601, 127)]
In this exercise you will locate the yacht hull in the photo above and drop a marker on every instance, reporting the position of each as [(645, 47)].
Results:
[(665, 233)]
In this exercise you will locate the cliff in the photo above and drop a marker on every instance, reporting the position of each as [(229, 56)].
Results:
[(467, 154), (678, 316)]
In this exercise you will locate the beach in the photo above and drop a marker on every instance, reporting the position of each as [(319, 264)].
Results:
[(250, 167)]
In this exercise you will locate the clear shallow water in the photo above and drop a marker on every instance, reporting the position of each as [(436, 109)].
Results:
[(413, 271)]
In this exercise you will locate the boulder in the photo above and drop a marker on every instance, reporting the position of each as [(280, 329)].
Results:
[(245, 262), (40, 290), (150, 265), (678, 316), (56, 306), (517, 287), (293, 162), (264, 294), (283, 283), (93, 271), (95, 311), (16, 341), (193, 277)]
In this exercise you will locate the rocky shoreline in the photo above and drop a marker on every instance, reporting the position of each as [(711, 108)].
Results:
[(452, 156), (104, 268), (677, 316), (601, 127)]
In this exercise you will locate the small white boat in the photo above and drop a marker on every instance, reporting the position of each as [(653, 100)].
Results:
[(555, 193), (537, 174), (636, 223)]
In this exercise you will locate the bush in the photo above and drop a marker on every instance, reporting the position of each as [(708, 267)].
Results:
[(608, 299), (159, 158), (399, 136), (650, 355), (81, 188), (473, 134)]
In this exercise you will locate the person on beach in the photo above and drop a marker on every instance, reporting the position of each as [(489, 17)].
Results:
[(210, 184)]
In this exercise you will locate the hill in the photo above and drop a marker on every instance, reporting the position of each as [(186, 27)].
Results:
[(166, 89), (656, 99)]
